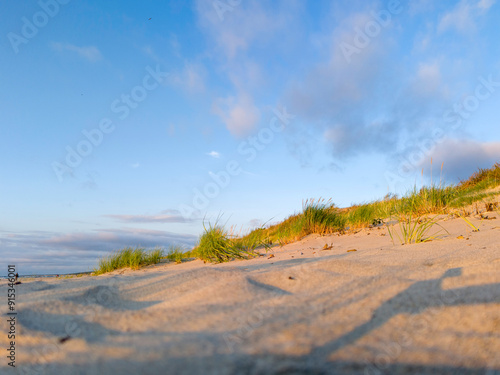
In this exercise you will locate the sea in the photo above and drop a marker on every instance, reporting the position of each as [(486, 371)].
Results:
[(48, 275)]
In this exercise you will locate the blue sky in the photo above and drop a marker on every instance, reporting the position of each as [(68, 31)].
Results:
[(130, 123)]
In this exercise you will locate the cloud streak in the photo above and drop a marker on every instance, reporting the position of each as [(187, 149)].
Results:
[(240, 115), (53, 252), (89, 53), (464, 17), (149, 218)]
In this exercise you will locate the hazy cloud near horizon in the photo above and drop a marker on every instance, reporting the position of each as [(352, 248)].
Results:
[(59, 252), (150, 218), (460, 158)]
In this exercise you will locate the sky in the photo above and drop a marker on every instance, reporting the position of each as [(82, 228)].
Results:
[(136, 123)]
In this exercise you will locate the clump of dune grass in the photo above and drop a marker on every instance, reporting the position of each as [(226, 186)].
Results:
[(252, 242), (431, 199), (177, 254), (414, 230), (317, 216), (128, 258), (216, 245), (365, 215), (482, 179), (321, 217)]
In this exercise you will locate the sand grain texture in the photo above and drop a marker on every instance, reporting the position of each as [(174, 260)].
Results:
[(414, 309)]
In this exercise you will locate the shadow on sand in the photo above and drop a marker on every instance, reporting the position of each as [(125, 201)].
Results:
[(417, 298)]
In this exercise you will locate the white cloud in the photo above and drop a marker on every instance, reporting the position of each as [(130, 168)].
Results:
[(135, 165), (428, 81), (374, 102), (336, 96), (90, 53), (248, 22), (191, 78), (460, 18), (214, 154), (240, 115), (463, 17), (244, 26), (485, 4)]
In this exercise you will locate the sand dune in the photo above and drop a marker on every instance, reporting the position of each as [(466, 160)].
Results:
[(424, 308)]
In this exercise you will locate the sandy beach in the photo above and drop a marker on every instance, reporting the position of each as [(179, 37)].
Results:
[(364, 306), (228, 187)]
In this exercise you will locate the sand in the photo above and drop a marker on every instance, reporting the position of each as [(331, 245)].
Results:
[(424, 308)]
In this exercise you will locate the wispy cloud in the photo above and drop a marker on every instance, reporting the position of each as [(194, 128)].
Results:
[(162, 218), (330, 94), (149, 51), (464, 16), (240, 115), (485, 4), (373, 103), (214, 154), (249, 24), (90, 53), (190, 79), (112, 239)]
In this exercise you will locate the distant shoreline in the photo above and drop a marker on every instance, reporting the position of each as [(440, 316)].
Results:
[(47, 275)]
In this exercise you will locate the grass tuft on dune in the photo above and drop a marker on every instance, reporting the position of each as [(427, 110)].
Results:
[(216, 245), (128, 257)]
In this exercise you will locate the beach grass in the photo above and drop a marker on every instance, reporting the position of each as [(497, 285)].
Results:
[(317, 216), (322, 217), (128, 258), (468, 222), (412, 212), (414, 230), (177, 254), (216, 245)]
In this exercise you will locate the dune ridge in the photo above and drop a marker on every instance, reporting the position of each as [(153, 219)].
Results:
[(432, 307)]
